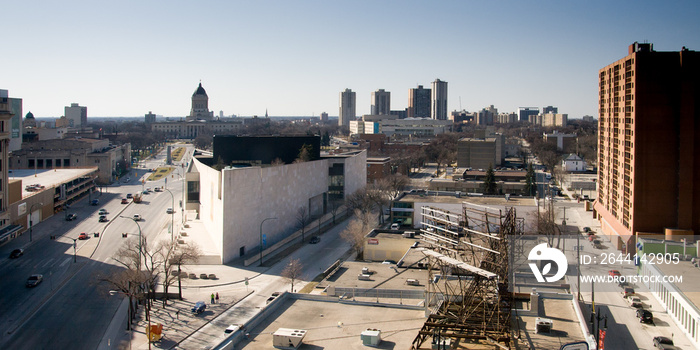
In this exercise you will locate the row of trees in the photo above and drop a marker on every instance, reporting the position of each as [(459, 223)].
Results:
[(145, 266)]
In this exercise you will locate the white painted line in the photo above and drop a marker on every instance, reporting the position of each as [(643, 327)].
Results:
[(65, 262), (47, 262)]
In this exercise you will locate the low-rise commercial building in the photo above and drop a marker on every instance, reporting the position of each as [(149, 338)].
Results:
[(110, 160)]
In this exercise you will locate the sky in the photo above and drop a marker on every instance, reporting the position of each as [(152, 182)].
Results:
[(292, 58)]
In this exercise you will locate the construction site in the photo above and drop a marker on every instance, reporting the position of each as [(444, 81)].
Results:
[(469, 301)]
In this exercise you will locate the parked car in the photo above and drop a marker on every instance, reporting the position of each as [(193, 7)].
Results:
[(635, 302), (169, 211), (16, 253), (586, 229), (34, 280), (125, 201), (129, 195), (394, 226), (83, 236), (95, 202), (628, 292), (199, 307), (614, 273), (645, 316), (137, 217), (102, 212), (103, 218), (663, 343), (71, 217), (314, 240)]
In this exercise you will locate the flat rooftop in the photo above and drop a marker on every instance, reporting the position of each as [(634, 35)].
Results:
[(382, 275), (690, 286), (335, 325), (46, 177)]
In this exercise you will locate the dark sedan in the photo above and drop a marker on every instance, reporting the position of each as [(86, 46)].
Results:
[(16, 253)]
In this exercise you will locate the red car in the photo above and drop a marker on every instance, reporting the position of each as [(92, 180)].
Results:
[(82, 236), (614, 273), (125, 201)]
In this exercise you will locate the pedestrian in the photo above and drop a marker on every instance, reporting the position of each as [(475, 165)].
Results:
[(177, 314), (217, 297), (212, 298)]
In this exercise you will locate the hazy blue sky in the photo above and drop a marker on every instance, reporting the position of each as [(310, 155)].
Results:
[(125, 58)]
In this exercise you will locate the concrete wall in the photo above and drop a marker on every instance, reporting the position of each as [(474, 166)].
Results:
[(355, 173), (255, 193), (210, 202)]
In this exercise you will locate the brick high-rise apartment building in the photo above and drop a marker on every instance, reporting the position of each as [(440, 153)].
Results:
[(649, 145)]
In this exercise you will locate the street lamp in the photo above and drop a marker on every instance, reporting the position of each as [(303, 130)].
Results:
[(30, 219), (172, 214), (261, 241), (140, 240)]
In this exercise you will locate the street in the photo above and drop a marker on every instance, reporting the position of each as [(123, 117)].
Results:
[(71, 309)]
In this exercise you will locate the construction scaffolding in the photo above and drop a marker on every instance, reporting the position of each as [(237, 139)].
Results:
[(468, 302)]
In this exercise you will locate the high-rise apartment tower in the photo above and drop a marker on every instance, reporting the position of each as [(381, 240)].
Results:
[(347, 108), (648, 129), (381, 102), (418, 103), (438, 100)]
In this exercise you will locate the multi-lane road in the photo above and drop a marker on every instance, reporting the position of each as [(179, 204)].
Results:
[(71, 309)]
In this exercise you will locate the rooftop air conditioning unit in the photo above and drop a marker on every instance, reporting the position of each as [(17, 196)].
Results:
[(371, 337), (288, 338)]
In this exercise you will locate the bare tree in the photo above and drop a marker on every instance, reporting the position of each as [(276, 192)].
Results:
[(395, 185), (356, 231), (334, 207), (127, 282), (360, 200), (292, 272), (184, 254), (302, 219), (171, 255)]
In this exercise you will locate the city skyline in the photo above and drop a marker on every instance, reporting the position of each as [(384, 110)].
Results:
[(130, 58)]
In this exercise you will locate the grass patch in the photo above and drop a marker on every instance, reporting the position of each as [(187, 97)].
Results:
[(308, 287), (178, 153), (160, 173)]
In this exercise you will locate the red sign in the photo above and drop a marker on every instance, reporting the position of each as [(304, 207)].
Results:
[(601, 340), (373, 241)]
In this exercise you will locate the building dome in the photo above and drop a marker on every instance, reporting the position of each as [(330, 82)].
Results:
[(29, 115), (200, 91)]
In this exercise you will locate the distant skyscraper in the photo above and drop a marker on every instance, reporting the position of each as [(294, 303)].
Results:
[(550, 109), (76, 115), (347, 108), (15, 124), (200, 105), (648, 165), (324, 117), (150, 118), (381, 102), (526, 112), (7, 229), (221, 114), (439, 100), (419, 102)]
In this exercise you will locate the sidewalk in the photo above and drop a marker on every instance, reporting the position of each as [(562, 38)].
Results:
[(178, 327)]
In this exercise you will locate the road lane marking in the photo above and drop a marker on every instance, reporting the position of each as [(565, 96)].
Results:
[(64, 262), (47, 262)]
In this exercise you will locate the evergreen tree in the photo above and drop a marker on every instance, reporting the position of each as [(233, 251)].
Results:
[(530, 185), (490, 186)]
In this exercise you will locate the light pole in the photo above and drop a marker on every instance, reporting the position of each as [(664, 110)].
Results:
[(172, 215), (30, 219), (182, 203), (140, 239), (261, 241)]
